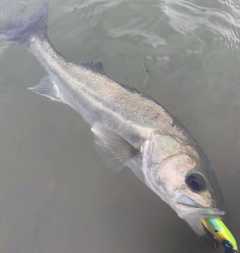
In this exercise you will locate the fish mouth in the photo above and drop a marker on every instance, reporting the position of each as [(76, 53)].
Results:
[(187, 208)]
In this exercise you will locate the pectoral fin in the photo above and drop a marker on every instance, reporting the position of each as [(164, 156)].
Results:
[(47, 88), (114, 150)]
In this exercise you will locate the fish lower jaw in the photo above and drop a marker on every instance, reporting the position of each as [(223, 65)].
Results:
[(193, 212)]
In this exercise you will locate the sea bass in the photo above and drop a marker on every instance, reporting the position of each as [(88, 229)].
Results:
[(130, 128)]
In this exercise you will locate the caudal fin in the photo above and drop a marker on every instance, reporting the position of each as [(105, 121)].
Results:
[(21, 31)]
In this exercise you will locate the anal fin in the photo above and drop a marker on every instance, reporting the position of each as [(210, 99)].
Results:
[(47, 88)]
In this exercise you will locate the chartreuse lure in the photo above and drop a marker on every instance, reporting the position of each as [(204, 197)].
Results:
[(220, 232)]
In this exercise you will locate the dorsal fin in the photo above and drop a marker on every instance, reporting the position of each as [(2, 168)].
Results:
[(95, 66)]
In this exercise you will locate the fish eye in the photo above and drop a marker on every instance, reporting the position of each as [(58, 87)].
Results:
[(228, 244), (195, 182)]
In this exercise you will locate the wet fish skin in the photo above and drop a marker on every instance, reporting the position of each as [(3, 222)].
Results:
[(130, 128)]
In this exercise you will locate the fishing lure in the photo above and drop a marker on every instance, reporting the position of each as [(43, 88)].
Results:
[(221, 234)]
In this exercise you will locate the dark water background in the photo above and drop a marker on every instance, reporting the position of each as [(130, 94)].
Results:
[(55, 194)]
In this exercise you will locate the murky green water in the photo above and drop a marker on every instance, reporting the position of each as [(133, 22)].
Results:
[(55, 194)]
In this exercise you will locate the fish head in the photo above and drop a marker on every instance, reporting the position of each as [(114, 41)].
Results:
[(183, 177)]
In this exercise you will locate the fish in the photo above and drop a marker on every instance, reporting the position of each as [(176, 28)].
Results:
[(130, 128), (221, 234)]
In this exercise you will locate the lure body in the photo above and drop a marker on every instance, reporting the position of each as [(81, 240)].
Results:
[(221, 233)]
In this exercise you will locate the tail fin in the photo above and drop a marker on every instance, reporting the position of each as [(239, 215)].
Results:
[(21, 31)]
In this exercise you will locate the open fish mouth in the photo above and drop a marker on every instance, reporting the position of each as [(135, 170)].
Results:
[(187, 208)]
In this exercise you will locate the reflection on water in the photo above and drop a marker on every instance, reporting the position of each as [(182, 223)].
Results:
[(55, 194)]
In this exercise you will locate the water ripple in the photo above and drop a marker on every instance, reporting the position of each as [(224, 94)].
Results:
[(146, 37), (191, 18)]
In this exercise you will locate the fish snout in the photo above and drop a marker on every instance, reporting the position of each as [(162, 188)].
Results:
[(188, 208)]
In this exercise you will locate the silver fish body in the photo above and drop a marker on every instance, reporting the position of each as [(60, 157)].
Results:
[(130, 128)]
